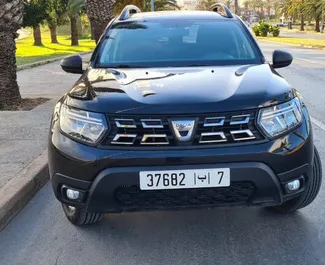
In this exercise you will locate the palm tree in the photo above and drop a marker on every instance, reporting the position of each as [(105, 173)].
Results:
[(56, 16), (120, 4), (100, 13), (205, 4), (161, 5), (236, 7), (314, 8), (74, 9), (293, 8), (11, 18)]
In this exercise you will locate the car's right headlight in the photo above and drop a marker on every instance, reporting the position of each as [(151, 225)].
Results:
[(82, 125), (279, 119)]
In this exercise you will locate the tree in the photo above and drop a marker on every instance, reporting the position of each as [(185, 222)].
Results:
[(75, 7), (161, 5), (142, 4), (314, 9), (236, 7), (74, 29), (34, 16), (205, 4), (306, 9), (293, 8), (56, 16), (11, 17), (100, 13)]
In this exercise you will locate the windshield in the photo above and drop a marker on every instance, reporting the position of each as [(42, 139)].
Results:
[(177, 43)]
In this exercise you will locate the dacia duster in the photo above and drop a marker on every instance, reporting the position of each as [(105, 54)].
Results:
[(180, 110)]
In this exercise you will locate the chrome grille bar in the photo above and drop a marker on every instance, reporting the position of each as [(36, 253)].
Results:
[(117, 138), (125, 123), (146, 123), (240, 119), (219, 137), (236, 135), (218, 121), (154, 137)]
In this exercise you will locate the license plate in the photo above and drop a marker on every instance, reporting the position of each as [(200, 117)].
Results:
[(184, 179)]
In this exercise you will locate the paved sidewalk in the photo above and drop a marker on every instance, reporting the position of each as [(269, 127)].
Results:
[(23, 137), (23, 134)]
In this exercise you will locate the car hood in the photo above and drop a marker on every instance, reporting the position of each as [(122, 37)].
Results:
[(179, 90)]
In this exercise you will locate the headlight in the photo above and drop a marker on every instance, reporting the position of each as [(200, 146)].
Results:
[(82, 125), (278, 119)]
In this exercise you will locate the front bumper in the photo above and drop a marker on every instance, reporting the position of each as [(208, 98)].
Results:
[(109, 179), (117, 189)]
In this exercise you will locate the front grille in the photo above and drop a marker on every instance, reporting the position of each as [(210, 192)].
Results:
[(156, 130), (238, 193)]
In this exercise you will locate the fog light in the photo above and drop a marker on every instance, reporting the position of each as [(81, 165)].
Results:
[(72, 194), (293, 185)]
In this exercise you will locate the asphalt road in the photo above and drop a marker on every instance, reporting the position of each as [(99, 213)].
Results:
[(40, 234)]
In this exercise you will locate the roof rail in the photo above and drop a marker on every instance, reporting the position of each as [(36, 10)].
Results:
[(225, 12), (128, 11)]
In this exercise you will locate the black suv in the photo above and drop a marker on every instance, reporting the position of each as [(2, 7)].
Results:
[(180, 110)]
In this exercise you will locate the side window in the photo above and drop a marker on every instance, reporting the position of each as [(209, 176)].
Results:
[(244, 47), (109, 52)]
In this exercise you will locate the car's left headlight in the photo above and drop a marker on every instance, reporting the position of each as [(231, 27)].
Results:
[(279, 119), (82, 125)]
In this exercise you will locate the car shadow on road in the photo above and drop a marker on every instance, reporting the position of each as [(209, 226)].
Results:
[(232, 236), (40, 234)]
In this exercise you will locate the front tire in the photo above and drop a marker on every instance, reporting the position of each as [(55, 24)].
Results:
[(310, 193), (79, 216)]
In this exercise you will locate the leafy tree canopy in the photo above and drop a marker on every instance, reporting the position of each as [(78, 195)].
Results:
[(57, 11), (35, 12)]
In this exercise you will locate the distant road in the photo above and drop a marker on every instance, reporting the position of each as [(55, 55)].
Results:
[(313, 36), (23, 33)]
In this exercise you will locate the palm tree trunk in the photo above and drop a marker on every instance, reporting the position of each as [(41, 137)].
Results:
[(317, 27), (9, 90), (236, 7), (302, 23), (37, 36), (74, 30), (54, 38), (98, 28), (100, 14)]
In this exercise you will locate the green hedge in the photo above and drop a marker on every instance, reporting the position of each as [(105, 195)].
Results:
[(263, 29)]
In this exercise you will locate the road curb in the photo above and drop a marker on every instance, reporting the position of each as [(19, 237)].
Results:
[(32, 65), (18, 192)]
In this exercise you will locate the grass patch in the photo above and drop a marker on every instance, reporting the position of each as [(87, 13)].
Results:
[(27, 53), (295, 41)]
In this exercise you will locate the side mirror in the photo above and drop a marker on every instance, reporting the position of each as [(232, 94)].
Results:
[(281, 59), (72, 64)]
